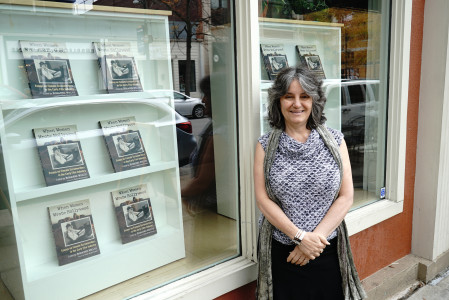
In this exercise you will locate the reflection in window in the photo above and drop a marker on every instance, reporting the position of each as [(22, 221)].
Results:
[(183, 76), (202, 58), (351, 41)]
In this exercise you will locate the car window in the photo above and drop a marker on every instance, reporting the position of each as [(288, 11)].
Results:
[(178, 96), (357, 93)]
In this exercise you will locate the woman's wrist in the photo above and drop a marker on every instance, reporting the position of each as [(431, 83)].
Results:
[(299, 236)]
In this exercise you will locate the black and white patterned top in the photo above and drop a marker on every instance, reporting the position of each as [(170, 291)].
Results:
[(304, 177)]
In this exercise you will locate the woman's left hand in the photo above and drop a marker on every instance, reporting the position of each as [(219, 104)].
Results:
[(297, 257)]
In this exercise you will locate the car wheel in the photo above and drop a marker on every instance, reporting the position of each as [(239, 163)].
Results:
[(198, 111)]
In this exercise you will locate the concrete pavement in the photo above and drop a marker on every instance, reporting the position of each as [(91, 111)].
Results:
[(436, 289)]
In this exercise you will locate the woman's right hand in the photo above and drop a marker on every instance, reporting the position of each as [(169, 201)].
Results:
[(313, 244)]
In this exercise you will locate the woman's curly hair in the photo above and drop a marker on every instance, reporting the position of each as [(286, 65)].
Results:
[(311, 85)]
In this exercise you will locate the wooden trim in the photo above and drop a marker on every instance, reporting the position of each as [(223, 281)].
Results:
[(113, 9), (300, 22)]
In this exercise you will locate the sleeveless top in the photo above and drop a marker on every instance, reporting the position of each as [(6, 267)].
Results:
[(304, 177)]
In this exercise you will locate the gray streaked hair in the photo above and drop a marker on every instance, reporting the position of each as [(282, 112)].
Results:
[(311, 85)]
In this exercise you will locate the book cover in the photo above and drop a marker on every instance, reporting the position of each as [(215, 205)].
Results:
[(124, 144), (274, 59), (117, 66), (308, 56), (73, 231), (134, 213), (60, 153), (48, 69)]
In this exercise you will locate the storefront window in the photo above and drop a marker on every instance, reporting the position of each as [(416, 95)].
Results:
[(109, 172), (346, 44)]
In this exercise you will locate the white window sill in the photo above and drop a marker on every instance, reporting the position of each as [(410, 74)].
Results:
[(208, 284), (370, 215)]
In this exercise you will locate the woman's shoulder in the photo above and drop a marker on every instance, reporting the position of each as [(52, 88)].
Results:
[(263, 139), (337, 134)]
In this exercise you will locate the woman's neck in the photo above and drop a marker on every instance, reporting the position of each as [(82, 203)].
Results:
[(300, 133)]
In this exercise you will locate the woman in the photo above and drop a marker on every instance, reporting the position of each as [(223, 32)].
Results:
[(303, 186), (201, 191)]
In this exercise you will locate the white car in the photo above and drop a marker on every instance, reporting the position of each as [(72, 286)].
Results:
[(184, 104)]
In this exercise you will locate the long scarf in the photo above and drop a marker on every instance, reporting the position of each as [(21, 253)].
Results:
[(352, 287)]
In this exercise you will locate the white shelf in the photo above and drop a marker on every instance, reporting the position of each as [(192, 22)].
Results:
[(109, 253), (42, 103), (42, 191), (78, 26)]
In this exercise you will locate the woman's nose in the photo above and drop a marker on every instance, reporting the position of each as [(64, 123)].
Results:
[(296, 102)]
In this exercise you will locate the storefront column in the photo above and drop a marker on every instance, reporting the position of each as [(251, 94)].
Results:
[(430, 239)]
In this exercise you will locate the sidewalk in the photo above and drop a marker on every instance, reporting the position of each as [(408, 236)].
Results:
[(436, 289)]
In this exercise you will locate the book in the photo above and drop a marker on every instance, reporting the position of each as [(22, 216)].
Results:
[(308, 56), (124, 144), (117, 67), (73, 231), (48, 69), (274, 59), (60, 153), (134, 213)]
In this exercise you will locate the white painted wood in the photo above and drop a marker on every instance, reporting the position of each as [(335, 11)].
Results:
[(370, 215), (248, 88), (208, 284), (431, 201), (401, 13)]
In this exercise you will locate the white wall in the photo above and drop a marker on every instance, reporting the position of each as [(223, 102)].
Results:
[(431, 205), (178, 52)]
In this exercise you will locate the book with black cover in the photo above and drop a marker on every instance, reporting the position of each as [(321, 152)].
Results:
[(60, 153), (48, 69), (274, 59), (308, 56), (73, 231), (134, 213), (117, 66), (124, 144)]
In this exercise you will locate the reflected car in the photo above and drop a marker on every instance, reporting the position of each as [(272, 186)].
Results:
[(359, 107), (184, 105), (185, 138)]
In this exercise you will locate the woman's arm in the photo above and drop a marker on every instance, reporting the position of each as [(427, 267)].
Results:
[(275, 215), (343, 203)]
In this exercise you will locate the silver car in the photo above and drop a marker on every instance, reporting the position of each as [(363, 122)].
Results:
[(184, 105)]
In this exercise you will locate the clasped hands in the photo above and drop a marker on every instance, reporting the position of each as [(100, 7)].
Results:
[(311, 247)]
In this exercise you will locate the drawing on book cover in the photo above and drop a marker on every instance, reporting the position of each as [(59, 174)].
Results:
[(274, 59), (118, 67), (134, 213), (60, 153), (308, 56), (124, 144), (48, 69), (73, 231)]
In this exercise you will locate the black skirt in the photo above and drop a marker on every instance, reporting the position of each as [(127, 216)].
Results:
[(320, 279)]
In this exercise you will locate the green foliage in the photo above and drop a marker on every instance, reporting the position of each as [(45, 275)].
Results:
[(306, 6)]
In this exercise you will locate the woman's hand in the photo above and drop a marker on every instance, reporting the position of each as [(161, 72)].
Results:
[(313, 244), (297, 257)]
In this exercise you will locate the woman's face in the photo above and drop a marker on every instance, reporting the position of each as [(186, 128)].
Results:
[(296, 105)]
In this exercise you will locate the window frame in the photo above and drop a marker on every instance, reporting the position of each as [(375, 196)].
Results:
[(230, 275)]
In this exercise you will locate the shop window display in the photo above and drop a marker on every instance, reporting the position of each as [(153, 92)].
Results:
[(99, 174), (346, 44)]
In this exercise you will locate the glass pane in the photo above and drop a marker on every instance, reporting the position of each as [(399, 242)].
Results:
[(148, 168), (346, 44)]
